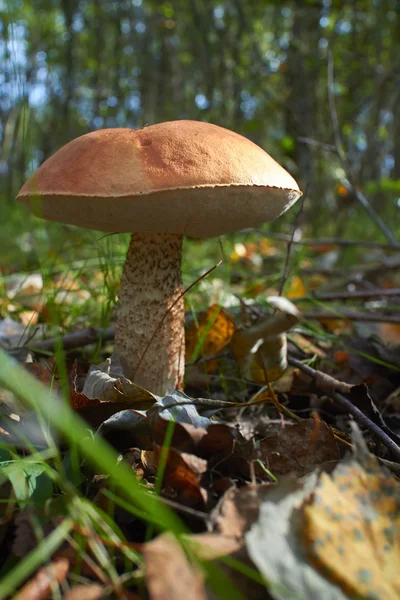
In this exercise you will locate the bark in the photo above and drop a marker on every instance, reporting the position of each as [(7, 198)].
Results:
[(149, 334)]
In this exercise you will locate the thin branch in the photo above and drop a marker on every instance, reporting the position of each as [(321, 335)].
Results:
[(283, 237), (77, 339), (350, 408), (350, 315), (356, 295)]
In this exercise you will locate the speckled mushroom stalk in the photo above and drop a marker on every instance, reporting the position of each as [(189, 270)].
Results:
[(149, 333)]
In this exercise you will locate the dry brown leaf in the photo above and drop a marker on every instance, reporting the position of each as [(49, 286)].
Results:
[(28, 317), (307, 345), (101, 385), (239, 509), (210, 546), (85, 592), (41, 586), (390, 333), (297, 449), (185, 437), (44, 374), (169, 575), (27, 291), (182, 477), (217, 441)]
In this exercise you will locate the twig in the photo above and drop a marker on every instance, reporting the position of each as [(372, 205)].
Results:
[(91, 335), (73, 340), (283, 237), (351, 315), (370, 210), (356, 295), (350, 408)]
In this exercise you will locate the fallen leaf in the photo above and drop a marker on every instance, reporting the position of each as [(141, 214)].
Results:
[(101, 385), (44, 374), (274, 546), (27, 290), (182, 476), (337, 326), (353, 519), (209, 336), (297, 449), (341, 356), (169, 574), (238, 510), (210, 546), (306, 344), (389, 332), (85, 592), (28, 317), (296, 288), (46, 580)]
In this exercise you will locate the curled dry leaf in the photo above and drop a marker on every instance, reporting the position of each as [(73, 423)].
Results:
[(100, 385), (169, 574), (182, 477), (45, 581)]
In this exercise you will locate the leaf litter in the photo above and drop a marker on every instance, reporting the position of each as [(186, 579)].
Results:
[(280, 499)]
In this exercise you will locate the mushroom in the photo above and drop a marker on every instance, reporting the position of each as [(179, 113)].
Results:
[(158, 183)]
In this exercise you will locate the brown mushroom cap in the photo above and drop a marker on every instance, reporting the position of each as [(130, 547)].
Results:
[(183, 177)]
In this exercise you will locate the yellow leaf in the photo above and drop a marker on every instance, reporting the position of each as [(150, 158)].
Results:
[(390, 333), (352, 530), (296, 289), (210, 335)]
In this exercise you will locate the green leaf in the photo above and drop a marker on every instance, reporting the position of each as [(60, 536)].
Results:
[(29, 481)]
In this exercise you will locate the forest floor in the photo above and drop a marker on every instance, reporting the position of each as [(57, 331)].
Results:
[(277, 468)]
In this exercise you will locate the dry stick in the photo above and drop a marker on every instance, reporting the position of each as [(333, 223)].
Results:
[(92, 335), (352, 316), (283, 237), (356, 295), (74, 340), (345, 164), (350, 408), (170, 308)]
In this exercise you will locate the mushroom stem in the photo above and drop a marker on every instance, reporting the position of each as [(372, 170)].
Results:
[(149, 334)]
